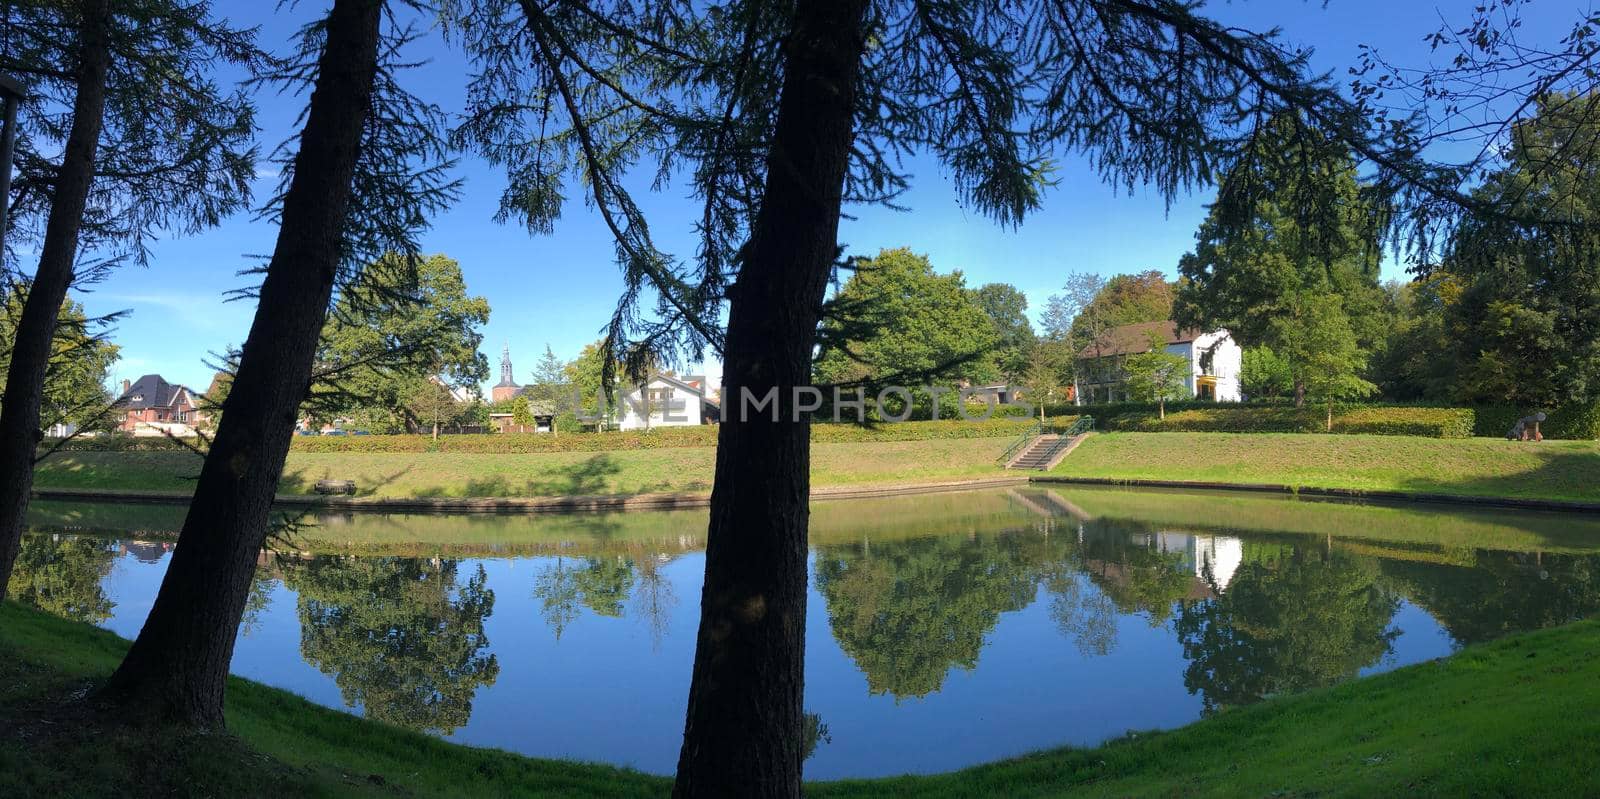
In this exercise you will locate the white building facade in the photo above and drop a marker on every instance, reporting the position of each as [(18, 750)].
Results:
[(1215, 362), (667, 401)]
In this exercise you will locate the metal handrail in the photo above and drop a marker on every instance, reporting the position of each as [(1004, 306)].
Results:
[(1083, 425), (1034, 430)]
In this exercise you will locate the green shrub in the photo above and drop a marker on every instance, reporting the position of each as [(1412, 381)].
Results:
[(1401, 421), (659, 438), (123, 443), (1370, 420), (1573, 421)]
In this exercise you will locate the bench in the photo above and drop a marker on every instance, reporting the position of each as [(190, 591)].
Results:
[(336, 487)]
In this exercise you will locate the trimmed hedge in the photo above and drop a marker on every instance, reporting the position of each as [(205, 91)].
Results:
[(659, 438), (1577, 422), (1429, 422)]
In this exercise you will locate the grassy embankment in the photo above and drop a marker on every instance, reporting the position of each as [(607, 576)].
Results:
[(1511, 718), (456, 474), (1564, 470)]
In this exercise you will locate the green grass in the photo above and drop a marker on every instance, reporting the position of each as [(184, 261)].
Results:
[(453, 474), (1564, 470), (1516, 717)]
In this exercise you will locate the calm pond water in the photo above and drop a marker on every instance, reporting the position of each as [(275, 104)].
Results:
[(943, 630)]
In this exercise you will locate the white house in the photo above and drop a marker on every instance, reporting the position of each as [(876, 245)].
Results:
[(667, 401), (1215, 361)]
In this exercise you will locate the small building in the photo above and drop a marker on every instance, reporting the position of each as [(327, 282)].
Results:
[(1215, 361), (544, 420), (151, 406), (668, 401)]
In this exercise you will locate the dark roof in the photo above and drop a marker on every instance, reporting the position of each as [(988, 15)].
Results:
[(506, 382), (151, 391), (1133, 339)]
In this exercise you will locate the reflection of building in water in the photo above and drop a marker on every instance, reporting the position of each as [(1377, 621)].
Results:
[(147, 551), (1220, 554)]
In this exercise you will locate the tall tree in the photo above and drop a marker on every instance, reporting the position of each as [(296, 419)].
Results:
[(352, 192), (148, 143), (403, 324), (1089, 306), (898, 317), (552, 388), (1325, 362), (1525, 326), (1007, 308), (779, 114), (1262, 249)]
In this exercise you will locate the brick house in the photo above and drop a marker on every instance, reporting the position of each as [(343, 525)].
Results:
[(151, 406)]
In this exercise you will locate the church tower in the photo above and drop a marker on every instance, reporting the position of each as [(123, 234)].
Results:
[(507, 387)]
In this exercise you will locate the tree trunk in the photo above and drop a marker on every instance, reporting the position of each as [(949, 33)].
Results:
[(1330, 416), (1161, 409), (36, 328), (1299, 394), (742, 736), (178, 666)]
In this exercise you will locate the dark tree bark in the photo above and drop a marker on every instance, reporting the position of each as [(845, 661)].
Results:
[(742, 736), (178, 666), (30, 357)]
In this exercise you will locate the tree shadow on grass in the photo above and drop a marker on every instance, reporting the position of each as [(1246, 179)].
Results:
[(1562, 473), (300, 481), (589, 477)]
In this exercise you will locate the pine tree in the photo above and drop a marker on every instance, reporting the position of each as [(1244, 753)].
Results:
[(352, 191), (147, 142)]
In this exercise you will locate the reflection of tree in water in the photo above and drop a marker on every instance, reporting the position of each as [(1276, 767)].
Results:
[(814, 733), (259, 599), (62, 575), (402, 637), (600, 583), (1125, 561), (654, 599), (1505, 592), (1083, 613), (1292, 618), (908, 611)]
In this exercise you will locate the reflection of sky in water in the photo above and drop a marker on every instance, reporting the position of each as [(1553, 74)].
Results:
[(613, 688)]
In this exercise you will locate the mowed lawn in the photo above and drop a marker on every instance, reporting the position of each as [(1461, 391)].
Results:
[(1477, 466), (450, 474)]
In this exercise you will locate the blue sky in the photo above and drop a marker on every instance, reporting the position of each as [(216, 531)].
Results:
[(559, 289)]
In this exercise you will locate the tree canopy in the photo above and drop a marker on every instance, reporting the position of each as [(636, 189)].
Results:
[(404, 324), (896, 316)]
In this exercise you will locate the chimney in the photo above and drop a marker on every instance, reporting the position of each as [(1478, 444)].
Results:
[(125, 386)]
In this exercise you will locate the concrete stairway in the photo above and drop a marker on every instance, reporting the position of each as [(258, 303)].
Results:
[(1045, 452)]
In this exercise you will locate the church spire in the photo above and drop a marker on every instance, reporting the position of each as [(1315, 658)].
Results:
[(505, 366)]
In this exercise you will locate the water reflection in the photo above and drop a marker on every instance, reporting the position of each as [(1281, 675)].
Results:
[(63, 575), (945, 630), (1293, 617), (402, 637)]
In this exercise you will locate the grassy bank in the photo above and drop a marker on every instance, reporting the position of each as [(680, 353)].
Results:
[(1562, 470), (1511, 718), (1566, 470), (456, 474)]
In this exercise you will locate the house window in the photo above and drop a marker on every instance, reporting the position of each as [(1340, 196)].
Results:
[(658, 396)]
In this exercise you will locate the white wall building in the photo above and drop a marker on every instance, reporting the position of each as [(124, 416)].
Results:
[(667, 401), (1215, 361)]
